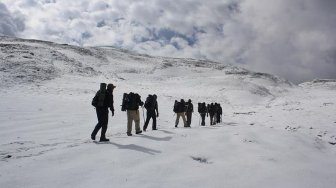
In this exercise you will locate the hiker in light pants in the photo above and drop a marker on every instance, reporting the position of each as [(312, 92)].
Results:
[(180, 112), (133, 114)]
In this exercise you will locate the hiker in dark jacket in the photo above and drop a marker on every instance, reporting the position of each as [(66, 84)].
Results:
[(102, 101), (180, 110), (215, 113), (202, 110), (151, 106), (189, 111), (212, 113), (219, 113), (134, 101)]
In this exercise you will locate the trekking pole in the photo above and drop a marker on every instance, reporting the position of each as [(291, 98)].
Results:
[(143, 114)]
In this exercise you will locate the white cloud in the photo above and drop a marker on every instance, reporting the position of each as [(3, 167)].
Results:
[(10, 24), (294, 39)]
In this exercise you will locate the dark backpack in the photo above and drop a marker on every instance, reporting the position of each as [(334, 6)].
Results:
[(99, 99), (133, 101), (176, 107), (201, 108), (124, 104), (149, 104), (189, 107)]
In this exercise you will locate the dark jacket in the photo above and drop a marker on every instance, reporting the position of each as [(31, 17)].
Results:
[(190, 107), (202, 108), (181, 107)]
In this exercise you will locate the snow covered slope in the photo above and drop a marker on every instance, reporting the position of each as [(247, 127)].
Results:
[(273, 134)]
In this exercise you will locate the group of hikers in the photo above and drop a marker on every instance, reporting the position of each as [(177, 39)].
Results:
[(185, 110), (103, 101)]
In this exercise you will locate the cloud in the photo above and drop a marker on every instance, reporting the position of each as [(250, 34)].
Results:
[(293, 39), (9, 25)]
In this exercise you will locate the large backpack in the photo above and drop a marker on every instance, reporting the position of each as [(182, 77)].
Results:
[(133, 101), (201, 108), (99, 99), (176, 106), (124, 104), (189, 107), (149, 104)]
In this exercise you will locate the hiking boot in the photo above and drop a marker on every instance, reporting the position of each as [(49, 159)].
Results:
[(104, 140), (138, 132), (93, 137), (129, 134), (176, 126), (154, 129)]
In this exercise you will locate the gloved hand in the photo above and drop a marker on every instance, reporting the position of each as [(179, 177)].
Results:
[(112, 113), (157, 115)]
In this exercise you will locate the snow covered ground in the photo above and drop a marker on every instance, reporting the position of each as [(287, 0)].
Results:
[(273, 134)]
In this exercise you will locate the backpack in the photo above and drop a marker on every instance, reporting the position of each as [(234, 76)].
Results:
[(182, 107), (99, 99), (189, 107), (149, 104), (201, 108), (133, 101), (176, 106), (124, 104)]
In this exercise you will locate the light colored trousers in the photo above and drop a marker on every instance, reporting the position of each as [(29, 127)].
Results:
[(178, 115), (133, 115)]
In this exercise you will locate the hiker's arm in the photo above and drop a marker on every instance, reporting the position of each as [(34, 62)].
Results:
[(111, 105), (157, 109)]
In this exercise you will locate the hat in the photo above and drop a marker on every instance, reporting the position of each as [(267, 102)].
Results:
[(111, 86)]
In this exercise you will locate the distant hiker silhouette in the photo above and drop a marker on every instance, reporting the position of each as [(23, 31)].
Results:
[(219, 113), (189, 111), (180, 109), (211, 110), (151, 106), (202, 110), (102, 101)]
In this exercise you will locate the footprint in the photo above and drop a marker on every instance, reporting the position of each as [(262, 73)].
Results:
[(203, 160)]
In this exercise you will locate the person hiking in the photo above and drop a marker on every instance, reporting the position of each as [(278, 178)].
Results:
[(102, 101), (180, 109), (151, 106), (212, 113), (202, 110), (134, 101), (215, 113), (219, 113), (189, 111)]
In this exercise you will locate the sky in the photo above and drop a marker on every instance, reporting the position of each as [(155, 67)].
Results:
[(292, 39)]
